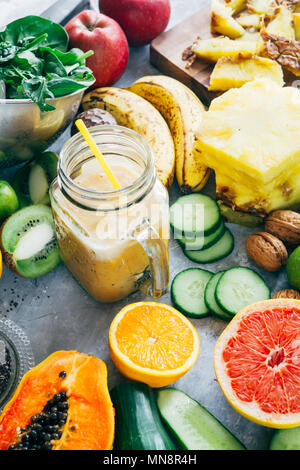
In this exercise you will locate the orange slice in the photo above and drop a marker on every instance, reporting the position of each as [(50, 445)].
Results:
[(257, 362), (153, 343)]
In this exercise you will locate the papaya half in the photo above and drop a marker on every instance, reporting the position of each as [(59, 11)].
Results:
[(61, 404)]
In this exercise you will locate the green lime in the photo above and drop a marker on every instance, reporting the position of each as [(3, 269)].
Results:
[(8, 200), (293, 268)]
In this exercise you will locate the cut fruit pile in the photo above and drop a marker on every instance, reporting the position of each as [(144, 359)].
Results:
[(153, 343), (256, 362), (251, 39), (199, 228), (197, 292)]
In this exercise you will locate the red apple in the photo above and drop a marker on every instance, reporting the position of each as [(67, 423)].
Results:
[(142, 20), (93, 30)]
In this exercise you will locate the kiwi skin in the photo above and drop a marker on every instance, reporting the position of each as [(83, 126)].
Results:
[(7, 257)]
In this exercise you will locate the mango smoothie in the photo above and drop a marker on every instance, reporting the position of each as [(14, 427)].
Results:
[(100, 247)]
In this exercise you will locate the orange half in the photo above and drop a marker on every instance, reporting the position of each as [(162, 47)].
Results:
[(153, 343), (257, 362)]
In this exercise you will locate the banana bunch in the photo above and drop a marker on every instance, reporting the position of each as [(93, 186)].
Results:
[(168, 114), (132, 111), (183, 112)]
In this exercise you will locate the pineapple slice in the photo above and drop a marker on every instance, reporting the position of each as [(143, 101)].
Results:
[(296, 20), (230, 73), (214, 48), (253, 36), (261, 6), (236, 5), (250, 138), (250, 20), (281, 24), (222, 21)]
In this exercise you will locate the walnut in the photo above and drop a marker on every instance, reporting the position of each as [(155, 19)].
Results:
[(284, 224), (287, 294), (266, 251)]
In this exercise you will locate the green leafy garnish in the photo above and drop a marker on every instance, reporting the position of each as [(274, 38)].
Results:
[(35, 62)]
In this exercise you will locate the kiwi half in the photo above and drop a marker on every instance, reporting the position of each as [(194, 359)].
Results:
[(33, 180), (28, 241)]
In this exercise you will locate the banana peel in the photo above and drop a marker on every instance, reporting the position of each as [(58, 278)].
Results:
[(183, 112), (136, 113)]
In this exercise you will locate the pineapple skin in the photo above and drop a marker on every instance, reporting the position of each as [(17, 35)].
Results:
[(250, 138)]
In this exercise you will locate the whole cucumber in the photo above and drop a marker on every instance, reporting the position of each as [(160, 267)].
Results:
[(138, 424)]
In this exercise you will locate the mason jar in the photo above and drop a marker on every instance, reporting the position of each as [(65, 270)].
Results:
[(114, 242)]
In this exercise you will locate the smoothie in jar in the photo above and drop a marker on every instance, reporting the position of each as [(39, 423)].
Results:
[(106, 236)]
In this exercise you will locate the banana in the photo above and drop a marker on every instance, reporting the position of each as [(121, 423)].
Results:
[(132, 111), (183, 112)]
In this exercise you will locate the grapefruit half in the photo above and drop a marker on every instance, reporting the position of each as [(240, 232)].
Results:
[(257, 362)]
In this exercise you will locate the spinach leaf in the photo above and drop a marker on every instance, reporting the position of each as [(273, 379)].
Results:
[(36, 89), (7, 52), (64, 86), (27, 61), (32, 26), (52, 64)]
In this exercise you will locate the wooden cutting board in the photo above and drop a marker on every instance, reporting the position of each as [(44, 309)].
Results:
[(166, 53)]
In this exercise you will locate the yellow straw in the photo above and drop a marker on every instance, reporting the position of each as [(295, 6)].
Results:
[(94, 148)]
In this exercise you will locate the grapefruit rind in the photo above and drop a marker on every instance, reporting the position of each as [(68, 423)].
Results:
[(251, 411), (152, 377)]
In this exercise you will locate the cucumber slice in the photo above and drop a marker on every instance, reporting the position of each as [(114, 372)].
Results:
[(194, 214), (201, 242), (192, 425), (219, 250), (210, 300), (286, 439), (239, 287), (187, 292)]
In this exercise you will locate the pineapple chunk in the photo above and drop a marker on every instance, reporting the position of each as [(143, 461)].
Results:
[(214, 48), (230, 73), (282, 24), (222, 21), (250, 138), (261, 6), (250, 20), (236, 5), (296, 19), (248, 36)]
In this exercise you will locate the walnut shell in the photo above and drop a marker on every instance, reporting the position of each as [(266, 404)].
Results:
[(266, 251), (284, 224), (287, 294)]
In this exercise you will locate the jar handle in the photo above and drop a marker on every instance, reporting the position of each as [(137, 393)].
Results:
[(157, 281)]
